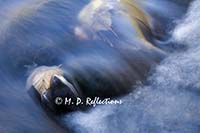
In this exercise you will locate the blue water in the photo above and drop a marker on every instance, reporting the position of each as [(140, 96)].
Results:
[(166, 102)]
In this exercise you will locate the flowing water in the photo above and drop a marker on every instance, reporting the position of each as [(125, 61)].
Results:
[(166, 102)]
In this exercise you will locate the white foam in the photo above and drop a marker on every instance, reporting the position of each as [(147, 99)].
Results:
[(169, 104)]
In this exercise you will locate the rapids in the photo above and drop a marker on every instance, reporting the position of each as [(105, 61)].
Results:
[(166, 102)]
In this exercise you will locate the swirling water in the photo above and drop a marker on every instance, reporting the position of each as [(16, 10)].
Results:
[(168, 102)]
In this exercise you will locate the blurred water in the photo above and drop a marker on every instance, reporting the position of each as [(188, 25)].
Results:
[(32, 29), (170, 100)]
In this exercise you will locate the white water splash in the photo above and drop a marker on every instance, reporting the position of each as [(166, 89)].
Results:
[(188, 31), (169, 104)]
